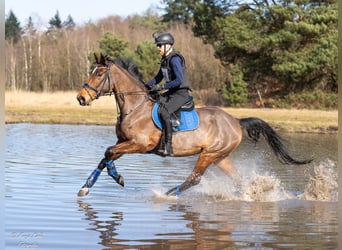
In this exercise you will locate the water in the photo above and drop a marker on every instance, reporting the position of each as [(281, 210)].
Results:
[(273, 206)]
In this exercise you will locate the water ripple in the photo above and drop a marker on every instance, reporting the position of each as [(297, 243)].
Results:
[(45, 166)]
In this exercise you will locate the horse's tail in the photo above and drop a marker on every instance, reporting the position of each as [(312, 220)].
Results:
[(256, 126)]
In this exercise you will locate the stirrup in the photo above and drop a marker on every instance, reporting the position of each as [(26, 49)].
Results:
[(164, 150)]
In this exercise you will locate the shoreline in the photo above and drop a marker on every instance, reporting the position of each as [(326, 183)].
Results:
[(63, 108)]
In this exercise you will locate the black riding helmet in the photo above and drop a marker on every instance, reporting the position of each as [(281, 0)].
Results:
[(164, 38)]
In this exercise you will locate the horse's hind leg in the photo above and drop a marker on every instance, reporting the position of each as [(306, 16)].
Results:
[(203, 162), (226, 165)]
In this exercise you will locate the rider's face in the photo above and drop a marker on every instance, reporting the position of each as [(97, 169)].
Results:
[(163, 49)]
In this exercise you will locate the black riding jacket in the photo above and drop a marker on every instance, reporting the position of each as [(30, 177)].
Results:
[(172, 70)]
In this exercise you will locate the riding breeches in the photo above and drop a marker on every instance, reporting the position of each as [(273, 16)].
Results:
[(173, 102)]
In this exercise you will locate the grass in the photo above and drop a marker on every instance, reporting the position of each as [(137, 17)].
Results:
[(57, 107), (293, 120), (63, 108)]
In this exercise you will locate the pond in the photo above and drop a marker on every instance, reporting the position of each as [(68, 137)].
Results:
[(272, 206)]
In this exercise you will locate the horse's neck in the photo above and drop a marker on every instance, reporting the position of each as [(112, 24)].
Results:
[(130, 93)]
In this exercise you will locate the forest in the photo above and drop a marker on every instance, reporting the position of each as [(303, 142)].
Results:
[(257, 53)]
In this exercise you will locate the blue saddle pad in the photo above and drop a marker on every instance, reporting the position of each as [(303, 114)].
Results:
[(188, 119)]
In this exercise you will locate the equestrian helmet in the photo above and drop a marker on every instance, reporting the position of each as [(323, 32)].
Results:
[(164, 38)]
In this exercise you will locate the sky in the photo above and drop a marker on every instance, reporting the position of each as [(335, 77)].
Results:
[(81, 11)]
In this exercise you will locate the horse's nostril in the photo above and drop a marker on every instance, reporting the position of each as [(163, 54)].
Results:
[(81, 100)]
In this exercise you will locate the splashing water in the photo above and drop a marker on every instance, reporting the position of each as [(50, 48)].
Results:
[(322, 184), (254, 187), (263, 187)]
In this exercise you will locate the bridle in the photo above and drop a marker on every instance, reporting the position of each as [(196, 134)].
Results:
[(97, 91), (107, 79)]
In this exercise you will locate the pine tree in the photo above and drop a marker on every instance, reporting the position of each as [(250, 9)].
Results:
[(289, 42), (69, 23), (55, 22), (113, 46), (147, 59), (179, 10), (12, 28)]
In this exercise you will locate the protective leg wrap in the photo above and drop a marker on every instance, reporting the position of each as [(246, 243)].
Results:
[(111, 169), (92, 178)]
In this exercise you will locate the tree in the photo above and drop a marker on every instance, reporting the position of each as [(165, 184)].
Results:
[(179, 10), (147, 59), (29, 28), (113, 46), (29, 33), (149, 20), (69, 23), (293, 43), (235, 89), (12, 28), (310, 59), (55, 22)]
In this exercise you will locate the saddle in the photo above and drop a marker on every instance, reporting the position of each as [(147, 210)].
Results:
[(184, 119)]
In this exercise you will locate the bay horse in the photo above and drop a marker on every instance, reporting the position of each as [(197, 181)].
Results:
[(217, 135)]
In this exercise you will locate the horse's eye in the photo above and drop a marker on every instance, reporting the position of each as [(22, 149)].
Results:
[(98, 74)]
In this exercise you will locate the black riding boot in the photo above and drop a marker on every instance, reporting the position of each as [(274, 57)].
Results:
[(168, 145), (167, 149)]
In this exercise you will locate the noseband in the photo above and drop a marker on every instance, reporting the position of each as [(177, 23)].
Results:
[(117, 93), (98, 92)]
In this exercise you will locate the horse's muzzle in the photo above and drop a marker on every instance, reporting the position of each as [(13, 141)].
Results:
[(81, 100)]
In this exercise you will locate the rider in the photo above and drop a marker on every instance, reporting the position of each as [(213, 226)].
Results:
[(172, 69)]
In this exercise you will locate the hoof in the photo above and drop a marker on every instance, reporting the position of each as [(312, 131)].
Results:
[(173, 191), (120, 180), (83, 191)]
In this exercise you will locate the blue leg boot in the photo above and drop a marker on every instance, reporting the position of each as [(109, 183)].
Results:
[(111, 169), (92, 178), (90, 182)]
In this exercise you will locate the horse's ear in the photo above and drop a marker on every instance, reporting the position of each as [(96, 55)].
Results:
[(103, 60), (96, 58)]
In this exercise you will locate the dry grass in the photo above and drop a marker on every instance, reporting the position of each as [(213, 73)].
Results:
[(293, 120), (62, 107), (57, 107)]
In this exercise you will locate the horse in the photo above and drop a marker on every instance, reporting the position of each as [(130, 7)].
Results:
[(216, 137)]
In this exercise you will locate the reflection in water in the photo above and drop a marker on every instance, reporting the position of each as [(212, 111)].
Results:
[(215, 225), (273, 206), (106, 228)]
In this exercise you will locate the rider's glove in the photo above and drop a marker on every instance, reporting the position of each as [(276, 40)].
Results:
[(156, 87)]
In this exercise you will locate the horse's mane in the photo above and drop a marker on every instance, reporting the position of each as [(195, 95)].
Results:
[(129, 65)]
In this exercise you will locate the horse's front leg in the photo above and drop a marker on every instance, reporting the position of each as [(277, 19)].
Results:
[(114, 152), (111, 169), (108, 163), (111, 154), (92, 178)]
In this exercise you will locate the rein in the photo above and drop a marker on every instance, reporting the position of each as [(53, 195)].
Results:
[(88, 87), (99, 92)]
